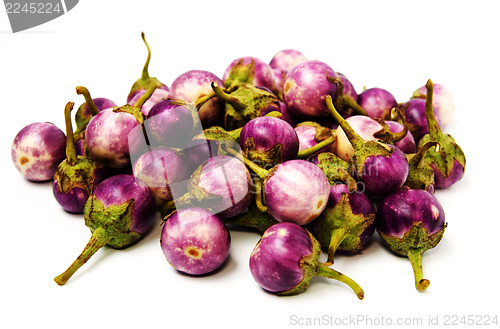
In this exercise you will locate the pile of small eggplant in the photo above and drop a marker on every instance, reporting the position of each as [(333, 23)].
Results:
[(288, 149)]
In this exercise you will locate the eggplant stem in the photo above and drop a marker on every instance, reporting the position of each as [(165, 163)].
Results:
[(434, 129), (415, 256), (347, 101), (338, 235), (149, 92), (98, 240), (258, 195), (70, 137), (261, 172), (315, 148), (145, 73), (327, 272), (356, 140), (88, 99), (236, 103)]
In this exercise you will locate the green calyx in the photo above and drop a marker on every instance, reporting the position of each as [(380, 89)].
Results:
[(145, 80), (343, 102), (135, 110), (80, 174), (449, 151), (412, 245), (243, 104), (311, 266), (116, 220), (240, 73), (264, 158), (336, 170), (420, 174), (387, 135), (340, 229), (220, 134), (109, 225)]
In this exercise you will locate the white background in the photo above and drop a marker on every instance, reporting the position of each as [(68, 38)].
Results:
[(390, 44)]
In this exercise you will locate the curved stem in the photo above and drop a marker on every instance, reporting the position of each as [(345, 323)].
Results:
[(258, 195), (356, 140), (88, 100), (327, 272), (315, 148), (145, 73), (417, 159), (434, 129), (98, 239), (347, 101), (70, 137), (338, 235), (202, 100), (236, 103), (149, 92), (415, 256), (261, 172)]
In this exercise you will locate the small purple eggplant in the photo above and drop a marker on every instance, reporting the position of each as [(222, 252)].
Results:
[(286, 258), (245, 103), (171, 123), (347, 223), (77, 176), (377, 102), (442, 102), (269, 141), (305, 88), (164, 170), (221, 184), (107, 133), (249, 70), (411, 222), (382, 168), (449, 161), (194, 87), (195, 241), (119, 212), (294, 191), (37, 150), (145, 80), (286, 59)]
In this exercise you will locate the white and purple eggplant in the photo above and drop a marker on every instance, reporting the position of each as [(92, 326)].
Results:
[(442, 102), (449, 161), (195, 241), (348, 222), (194, 87), (37, 150), (294, 191), (249, 70), (382, 168), (76, 177), (108, 132), (165, 171), (286, 258), (377, 102), (171, 123), (118, 213), (268, 141), (145, 80), (221, 184), (305, 88), (410, 222)]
